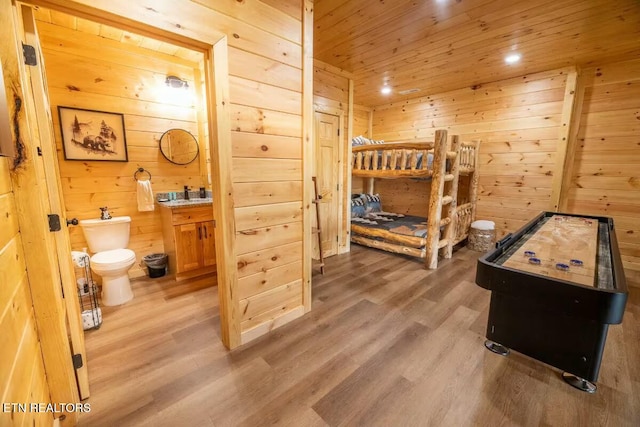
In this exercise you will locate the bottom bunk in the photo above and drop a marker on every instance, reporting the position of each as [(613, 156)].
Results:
[(406, 234)]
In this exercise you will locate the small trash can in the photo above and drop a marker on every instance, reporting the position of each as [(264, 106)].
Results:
[(156, 264), (482, 236)]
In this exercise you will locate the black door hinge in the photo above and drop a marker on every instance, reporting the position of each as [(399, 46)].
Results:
[(29, 53), (54, 222), (338, 131), (39, 151), (77, 361)]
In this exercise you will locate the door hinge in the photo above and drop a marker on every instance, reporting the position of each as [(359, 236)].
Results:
[(337, 239), (337, 187), (338, 131), (39, 151), (54, 222), (77, 361), (29, 53)]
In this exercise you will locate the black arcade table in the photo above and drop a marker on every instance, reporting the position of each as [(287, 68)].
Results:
[(556, 286)]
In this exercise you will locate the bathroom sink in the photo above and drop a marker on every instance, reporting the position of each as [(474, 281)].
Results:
[(190, 202)]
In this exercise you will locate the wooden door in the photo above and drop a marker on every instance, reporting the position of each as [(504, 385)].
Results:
[(208, 244), (327, 131), (188, 247), (52, 194)]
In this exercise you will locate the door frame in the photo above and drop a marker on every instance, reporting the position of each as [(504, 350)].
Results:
[(343, 238), (214, 46)]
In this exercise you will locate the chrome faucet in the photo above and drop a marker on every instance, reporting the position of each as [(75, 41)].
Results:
[(186, 192), (104, 213)]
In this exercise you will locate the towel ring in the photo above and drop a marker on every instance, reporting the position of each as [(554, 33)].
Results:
[(141, 170)]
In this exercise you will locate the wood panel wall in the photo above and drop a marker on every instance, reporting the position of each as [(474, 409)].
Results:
[(93, 72), (362, 117), (22, 375), (606, 170), (518, 122), (266, 91)]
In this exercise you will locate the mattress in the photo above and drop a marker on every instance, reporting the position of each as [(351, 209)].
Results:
[(404, 229), (405, 225)]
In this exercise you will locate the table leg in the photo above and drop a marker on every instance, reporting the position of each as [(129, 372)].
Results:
[(579, 383), (496, 348)]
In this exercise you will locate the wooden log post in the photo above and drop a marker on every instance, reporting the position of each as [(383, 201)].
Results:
[(435, 199), (450, 211), (389, 247), (475, 177), (370, 185), (411, 241), (394, 160)]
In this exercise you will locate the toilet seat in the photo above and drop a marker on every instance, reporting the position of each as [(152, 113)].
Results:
[(113, 259)]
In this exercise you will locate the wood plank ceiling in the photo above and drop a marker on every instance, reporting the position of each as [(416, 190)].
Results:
[(189, 57), (441, 45)]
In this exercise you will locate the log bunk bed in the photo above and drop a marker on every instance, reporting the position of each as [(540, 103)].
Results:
[(447, 224)]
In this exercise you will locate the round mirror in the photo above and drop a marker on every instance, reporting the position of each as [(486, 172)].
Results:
[(179, 146)]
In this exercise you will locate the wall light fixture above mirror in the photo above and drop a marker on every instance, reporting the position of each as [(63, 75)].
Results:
[(176, 82), (179, 146)]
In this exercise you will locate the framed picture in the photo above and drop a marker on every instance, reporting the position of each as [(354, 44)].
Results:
[(92, 135)]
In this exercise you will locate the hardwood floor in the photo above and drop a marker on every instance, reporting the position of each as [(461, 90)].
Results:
[(386, 344)]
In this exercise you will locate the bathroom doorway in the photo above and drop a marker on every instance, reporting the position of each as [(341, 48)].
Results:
[(79, 184)]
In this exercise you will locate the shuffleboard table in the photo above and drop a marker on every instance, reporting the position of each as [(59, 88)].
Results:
[(556, 286)]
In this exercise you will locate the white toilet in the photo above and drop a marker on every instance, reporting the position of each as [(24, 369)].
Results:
[(107, 239)]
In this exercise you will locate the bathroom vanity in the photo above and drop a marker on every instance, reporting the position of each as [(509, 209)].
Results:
[(189, 239)]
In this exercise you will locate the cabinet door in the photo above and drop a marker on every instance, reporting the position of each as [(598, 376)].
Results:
[(208, 244), (188, 247)]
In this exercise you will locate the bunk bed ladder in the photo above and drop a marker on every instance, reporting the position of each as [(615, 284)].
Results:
[(436, 200), (317, 230), (451, 193)]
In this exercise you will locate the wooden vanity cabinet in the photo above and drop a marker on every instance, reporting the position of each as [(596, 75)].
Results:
[(189, 240)]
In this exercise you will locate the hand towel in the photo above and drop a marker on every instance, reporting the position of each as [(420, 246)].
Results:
[(145, 196)]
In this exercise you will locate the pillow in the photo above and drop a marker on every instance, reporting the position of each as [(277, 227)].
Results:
[(357, 208), (363, 140), (373, 203), (358, 140)]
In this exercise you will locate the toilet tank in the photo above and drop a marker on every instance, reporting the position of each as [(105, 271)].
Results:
[(106, 234)]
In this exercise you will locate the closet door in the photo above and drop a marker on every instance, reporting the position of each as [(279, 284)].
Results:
[(327, 173)]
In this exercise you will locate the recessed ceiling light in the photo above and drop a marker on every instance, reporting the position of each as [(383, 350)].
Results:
[(513, 58), (386, 90)]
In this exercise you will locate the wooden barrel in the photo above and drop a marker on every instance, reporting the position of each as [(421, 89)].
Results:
[(482, 236)]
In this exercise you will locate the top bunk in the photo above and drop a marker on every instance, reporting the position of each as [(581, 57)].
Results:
[(378, 159)]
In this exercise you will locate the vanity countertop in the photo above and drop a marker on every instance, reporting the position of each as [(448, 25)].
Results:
[(181, 203)]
